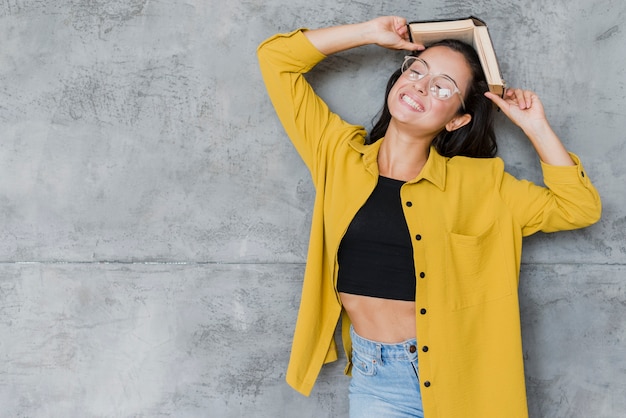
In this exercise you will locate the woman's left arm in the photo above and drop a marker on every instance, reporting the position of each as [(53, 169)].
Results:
[(525, 109), (570, 200)]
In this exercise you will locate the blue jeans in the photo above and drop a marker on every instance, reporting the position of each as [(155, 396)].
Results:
[(385, 381)]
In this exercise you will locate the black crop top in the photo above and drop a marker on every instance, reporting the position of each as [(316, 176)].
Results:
[(376, 255)]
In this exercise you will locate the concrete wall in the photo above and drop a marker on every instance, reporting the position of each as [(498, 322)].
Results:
[(154, 218)]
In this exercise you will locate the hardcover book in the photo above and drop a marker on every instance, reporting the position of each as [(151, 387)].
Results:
[(472, 31)]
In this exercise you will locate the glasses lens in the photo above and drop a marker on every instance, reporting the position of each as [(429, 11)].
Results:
[(414, 68), (442, 87)]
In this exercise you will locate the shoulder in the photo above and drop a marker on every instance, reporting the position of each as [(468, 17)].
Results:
[(495, 164), (477, 172)]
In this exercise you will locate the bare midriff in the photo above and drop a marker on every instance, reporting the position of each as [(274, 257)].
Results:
[(381, 320)]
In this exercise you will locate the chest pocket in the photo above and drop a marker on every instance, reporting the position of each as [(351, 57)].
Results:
[(477, 268)]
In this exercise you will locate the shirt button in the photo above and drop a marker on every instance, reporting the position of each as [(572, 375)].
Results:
[(427, 383), (412, 349), (422, 275), (425, 349), (423, 311), (418, 237), (409, 204)]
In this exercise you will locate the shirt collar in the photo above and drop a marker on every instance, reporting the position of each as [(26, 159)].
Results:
[(434, 170)]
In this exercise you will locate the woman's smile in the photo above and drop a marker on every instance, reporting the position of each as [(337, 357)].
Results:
[(413, 103)]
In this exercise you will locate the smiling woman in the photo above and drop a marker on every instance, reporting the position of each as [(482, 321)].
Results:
[(417, 228)]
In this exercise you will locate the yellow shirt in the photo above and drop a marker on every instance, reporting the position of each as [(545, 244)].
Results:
[(466, 218)]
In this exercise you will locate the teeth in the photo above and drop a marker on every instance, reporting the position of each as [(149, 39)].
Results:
[(412, 103)]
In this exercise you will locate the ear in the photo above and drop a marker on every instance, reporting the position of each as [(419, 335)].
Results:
[(458, 122)]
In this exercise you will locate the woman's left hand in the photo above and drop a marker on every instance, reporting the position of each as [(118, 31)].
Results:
[(523, 107)]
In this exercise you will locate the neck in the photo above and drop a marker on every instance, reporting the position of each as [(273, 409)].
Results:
[(402, 157)]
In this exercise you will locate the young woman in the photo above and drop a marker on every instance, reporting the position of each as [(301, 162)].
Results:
[(417, 229)]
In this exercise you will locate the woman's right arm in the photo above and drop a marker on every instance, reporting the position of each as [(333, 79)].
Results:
[(285, 58), (387, 31)]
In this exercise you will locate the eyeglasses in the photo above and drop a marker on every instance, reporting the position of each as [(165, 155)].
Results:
[(441, 86)]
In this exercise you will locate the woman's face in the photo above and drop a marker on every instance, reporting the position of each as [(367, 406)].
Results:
[(411, 103)]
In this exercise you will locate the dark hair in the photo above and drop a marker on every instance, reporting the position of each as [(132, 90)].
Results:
[(477, 138)]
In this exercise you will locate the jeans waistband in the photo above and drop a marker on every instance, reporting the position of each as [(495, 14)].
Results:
[(405, 350)]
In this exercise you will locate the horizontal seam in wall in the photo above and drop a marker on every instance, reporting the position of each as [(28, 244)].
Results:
[(147, 262), (252, 263)]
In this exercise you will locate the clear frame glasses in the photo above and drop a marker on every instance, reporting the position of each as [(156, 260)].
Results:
[(441, 86)]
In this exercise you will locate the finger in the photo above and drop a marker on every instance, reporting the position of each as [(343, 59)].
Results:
[(497, 100), (523, 99), (401, 44), (403, 32), (520, 98), (410, 46), (530, 98), (414, 47), (400, 23)]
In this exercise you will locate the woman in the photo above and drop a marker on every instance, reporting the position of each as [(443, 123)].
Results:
[(417, 230)]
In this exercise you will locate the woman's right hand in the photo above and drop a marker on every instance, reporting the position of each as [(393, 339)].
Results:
[(392, 32)]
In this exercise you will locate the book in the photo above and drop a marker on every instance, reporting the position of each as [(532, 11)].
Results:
[(472, 31)]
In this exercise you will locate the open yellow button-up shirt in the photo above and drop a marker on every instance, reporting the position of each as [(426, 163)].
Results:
[(466, 217)]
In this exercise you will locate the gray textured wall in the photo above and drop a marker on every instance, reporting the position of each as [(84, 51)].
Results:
[(154, 219)]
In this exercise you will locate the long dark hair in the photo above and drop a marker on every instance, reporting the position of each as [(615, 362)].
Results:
[(477, 138)]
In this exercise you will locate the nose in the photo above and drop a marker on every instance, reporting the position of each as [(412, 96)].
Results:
[(422, 85)]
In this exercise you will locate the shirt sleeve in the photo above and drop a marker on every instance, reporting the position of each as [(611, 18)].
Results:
[(307, 120), (569, 200)]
